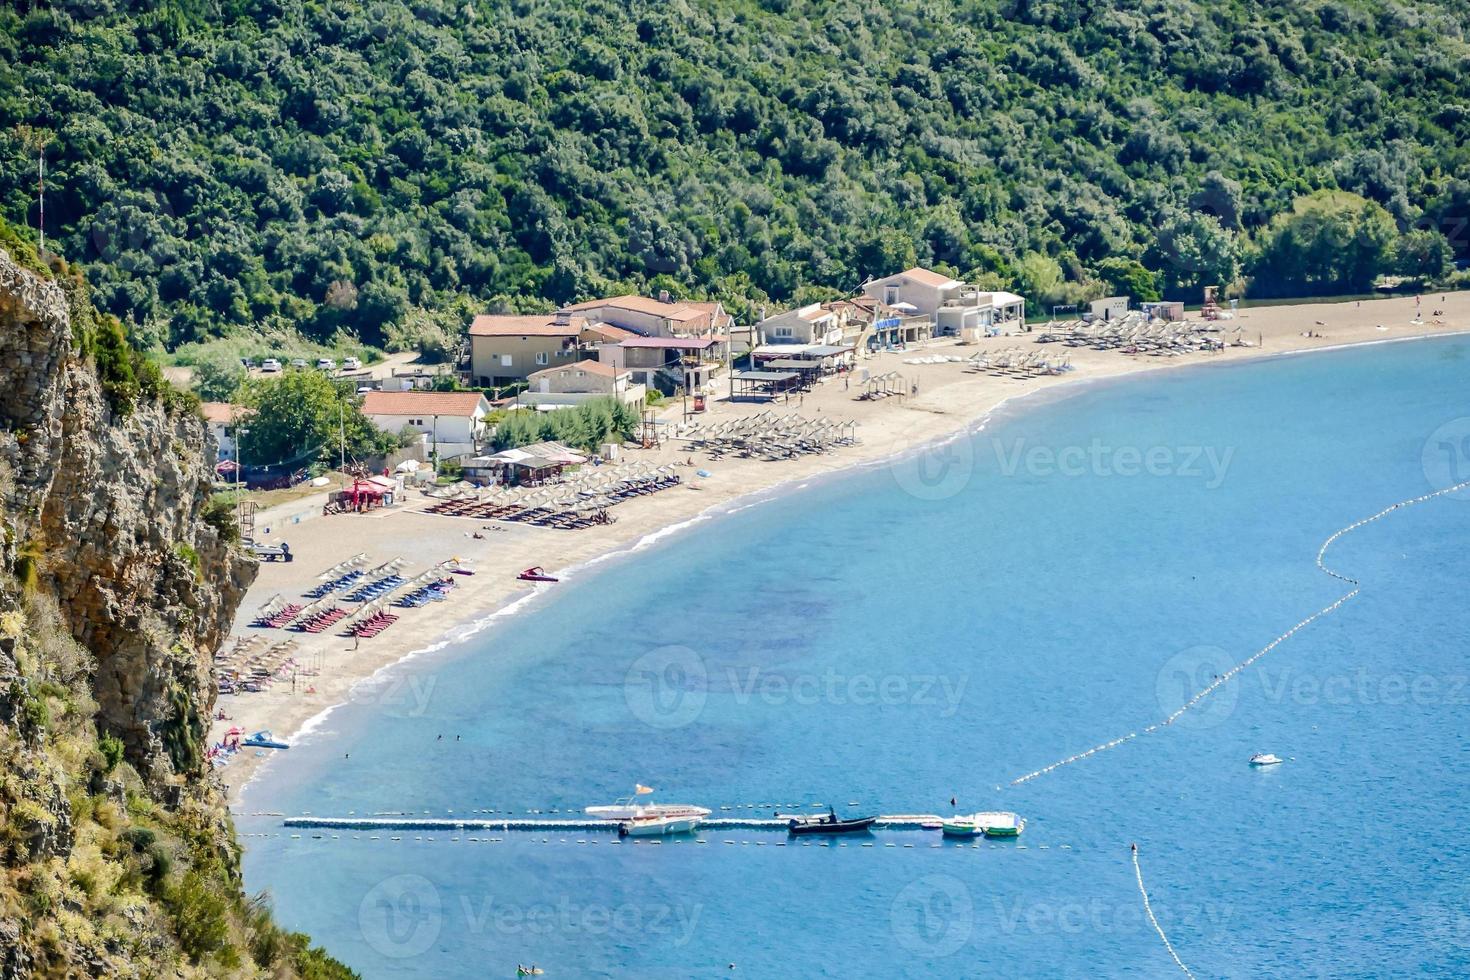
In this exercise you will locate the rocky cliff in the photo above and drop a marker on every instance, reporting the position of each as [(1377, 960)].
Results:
[(111, 503), (118, 582)]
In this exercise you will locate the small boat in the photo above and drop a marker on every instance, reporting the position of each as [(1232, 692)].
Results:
[(1266, 759), (960, 826), (264, 740), (829, 824), (997, 823), (658, 825), (630, 809), (536, 574)]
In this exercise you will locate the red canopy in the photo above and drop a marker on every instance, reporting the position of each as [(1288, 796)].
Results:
[(361, 489)]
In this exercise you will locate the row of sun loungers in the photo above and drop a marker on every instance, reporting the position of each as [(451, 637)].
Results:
[(579, 502), (320, 621), (343, 567), (336, 584), (372, 625), (433, 592), (771, 436), (376, 590), (1133, 334), (885, 385), (251, 665), (279, 617), (1019, 363)]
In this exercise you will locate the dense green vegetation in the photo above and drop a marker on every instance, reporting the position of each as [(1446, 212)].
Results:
[(302, 417), (335, 166), (588, 426)]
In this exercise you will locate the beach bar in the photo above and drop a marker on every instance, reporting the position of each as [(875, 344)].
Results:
[(764, 384)]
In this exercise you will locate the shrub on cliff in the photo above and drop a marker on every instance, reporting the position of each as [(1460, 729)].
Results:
[(219, 514)]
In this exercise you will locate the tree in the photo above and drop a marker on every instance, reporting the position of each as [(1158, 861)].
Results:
[(1193, 250), (1039, 278), (1331, 241), (1449, 213), (434, 334), (301, 417), (1128, 277), (218, 377), (1424, 254)]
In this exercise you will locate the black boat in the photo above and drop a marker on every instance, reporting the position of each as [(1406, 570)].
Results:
[(828, 824)]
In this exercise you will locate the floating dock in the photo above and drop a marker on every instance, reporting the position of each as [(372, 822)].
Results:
[(892, 821)]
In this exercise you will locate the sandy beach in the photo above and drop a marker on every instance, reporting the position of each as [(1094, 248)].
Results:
[(950, 398)]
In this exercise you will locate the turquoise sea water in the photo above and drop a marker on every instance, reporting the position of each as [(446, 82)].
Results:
[(940, 627)]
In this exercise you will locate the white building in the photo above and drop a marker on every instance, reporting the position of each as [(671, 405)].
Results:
[(955, 308), (221, 419), (452, 422), (812, 324)]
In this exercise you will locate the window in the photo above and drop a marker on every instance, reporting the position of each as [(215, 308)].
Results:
[(542, 357), (890, 295), (415, 421), (505, 360), (783, 331)]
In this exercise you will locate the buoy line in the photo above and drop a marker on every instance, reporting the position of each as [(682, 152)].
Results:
[(1224, 678), (1149, 910)]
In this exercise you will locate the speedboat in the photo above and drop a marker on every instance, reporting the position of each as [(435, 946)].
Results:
[(536, 574), (657, 825), (629, 808), (264, 740), (1266, 759), (829, 824)]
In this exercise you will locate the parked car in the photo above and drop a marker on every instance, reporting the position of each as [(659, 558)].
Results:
[(270, 365), (325, 364), (351, 364), (298, 362)]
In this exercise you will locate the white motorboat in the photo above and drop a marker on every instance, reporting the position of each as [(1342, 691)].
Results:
[(629, 808), (1266, 759), (657, 826)]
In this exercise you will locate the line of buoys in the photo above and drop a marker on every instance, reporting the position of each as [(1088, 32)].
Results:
[(1230, 674), (1149, 909)]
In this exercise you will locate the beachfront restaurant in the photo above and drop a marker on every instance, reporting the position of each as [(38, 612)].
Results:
[(528, 465), (811, 361), (764, 384)]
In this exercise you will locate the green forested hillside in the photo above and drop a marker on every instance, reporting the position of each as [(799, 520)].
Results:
[(227, 164)]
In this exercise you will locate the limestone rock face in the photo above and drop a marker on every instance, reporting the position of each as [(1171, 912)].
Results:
[(108, 508)]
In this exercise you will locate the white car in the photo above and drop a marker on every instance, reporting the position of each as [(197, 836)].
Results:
[(270, 365), (298, 362), (325, 364), (351, 364)]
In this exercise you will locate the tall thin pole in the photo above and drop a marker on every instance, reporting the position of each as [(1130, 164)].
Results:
[(341, 437), (41, 194)]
